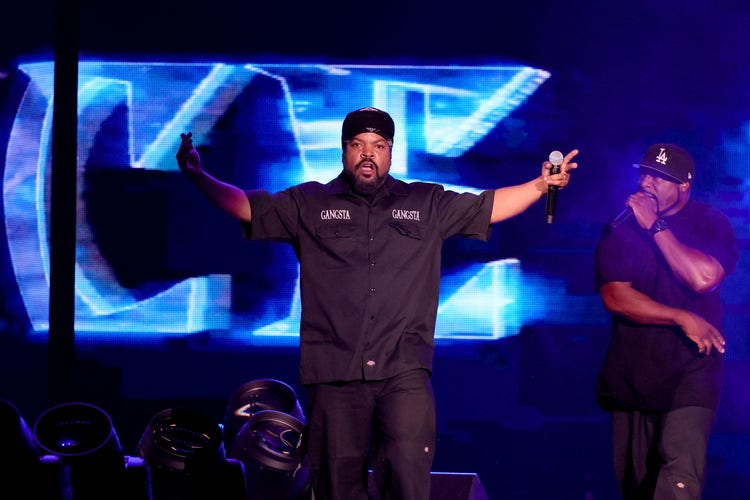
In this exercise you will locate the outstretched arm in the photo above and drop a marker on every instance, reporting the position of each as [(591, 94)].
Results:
[(227, 197), (510, 201), (622, 299)]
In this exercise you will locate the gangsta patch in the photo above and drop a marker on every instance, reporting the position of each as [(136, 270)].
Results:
[(405, 214), (331, 214)]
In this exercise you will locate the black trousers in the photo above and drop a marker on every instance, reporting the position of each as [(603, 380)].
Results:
[(661, 456), (388, 425)]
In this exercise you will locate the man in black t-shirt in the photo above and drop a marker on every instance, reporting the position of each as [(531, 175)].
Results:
[(658, 270), (369, 252)]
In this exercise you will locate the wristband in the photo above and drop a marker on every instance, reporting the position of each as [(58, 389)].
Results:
[(658, 226)]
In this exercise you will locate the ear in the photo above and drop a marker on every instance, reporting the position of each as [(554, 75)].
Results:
[(685, 186)]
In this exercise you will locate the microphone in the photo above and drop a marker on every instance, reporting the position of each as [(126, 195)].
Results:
[(621, 217), (556, 159), (626, 214)]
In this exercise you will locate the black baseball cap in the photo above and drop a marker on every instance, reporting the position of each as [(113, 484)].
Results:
[(669, 160), (368, 120)]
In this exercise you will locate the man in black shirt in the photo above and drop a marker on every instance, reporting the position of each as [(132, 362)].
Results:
[(658, 270), (369, 251)]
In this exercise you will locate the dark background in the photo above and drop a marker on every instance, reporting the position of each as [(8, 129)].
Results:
[(520, 411)]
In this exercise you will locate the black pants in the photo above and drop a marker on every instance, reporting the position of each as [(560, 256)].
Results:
[(661, 456), (388, 425)]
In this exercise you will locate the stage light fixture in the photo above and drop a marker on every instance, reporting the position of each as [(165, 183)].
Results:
[(83, 438), (269, 447), (24, 471), (255, 396), (186, 456)]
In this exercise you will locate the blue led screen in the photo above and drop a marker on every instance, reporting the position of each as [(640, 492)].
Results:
[(154, 260)]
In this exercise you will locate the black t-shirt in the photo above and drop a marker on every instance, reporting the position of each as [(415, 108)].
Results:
[(656, 367), (369, 270)]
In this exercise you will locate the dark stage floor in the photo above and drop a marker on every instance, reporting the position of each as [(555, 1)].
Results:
[(521, 419)]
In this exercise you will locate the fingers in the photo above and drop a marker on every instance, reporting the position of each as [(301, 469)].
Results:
[(562, 178), (186, 146), (718, 343), (645, 207), (566, 165), (186, 140), (715, 341), (547, 174)]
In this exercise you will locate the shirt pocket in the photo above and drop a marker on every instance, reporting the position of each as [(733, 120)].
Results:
[(409, 229), (406, 243), (338, 244)]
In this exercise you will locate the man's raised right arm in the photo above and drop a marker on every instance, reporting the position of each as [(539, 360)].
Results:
[(227, 197)]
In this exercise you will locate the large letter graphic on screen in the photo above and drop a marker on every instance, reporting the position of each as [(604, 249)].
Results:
[(130, 118)]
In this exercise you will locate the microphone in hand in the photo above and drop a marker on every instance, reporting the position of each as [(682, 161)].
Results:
[(556, 159), (627, 213), (623, 216)]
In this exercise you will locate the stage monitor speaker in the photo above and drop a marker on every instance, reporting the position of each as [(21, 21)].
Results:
[(445, 486)]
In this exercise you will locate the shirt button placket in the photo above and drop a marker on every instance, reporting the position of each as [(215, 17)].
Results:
[(372, 262), (370, 363)]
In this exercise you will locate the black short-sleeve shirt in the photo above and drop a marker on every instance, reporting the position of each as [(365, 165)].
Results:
[(369, 270), (656, 367)]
